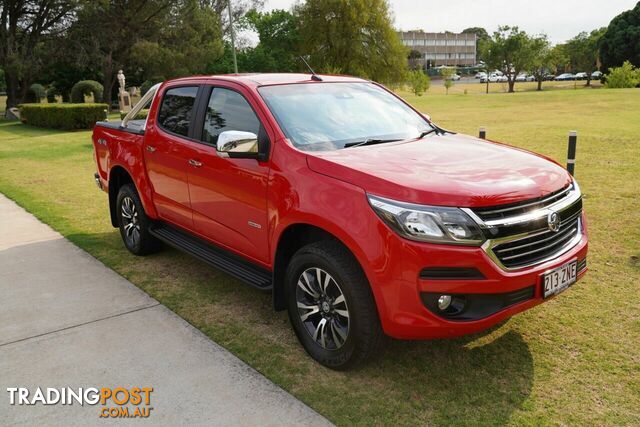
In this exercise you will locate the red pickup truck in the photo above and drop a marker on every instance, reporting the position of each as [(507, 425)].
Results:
[(361, 216)]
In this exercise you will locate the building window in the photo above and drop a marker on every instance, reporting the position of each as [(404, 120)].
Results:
[(471, 42)]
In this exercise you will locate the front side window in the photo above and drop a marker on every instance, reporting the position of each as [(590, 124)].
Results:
[(330, 116), (176, 110), (228, 111)]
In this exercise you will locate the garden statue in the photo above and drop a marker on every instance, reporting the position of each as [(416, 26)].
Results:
[(123, 96)]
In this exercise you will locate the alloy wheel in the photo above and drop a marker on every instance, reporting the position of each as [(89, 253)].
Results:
[(322, 308), (130, 221)]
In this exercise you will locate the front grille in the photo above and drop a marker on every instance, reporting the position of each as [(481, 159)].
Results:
[(514, 209), (533, 249)]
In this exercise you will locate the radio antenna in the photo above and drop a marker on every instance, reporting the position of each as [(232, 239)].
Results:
[(314, 76)]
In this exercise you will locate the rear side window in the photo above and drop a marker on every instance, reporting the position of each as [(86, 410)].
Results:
[(228, 110), (176, 110)]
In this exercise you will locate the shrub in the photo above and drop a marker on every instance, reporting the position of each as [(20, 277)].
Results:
[(63, 116), (625, 76), (36, 93), (419, 82), (142, 114), (52, 92), (86, 87)]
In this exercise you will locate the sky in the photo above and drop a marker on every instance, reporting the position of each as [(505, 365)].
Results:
[(560, 20)]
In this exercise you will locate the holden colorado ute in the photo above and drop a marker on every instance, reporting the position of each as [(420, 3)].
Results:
[(361, 216)]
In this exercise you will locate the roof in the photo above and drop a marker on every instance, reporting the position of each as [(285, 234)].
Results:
[(266, 79)]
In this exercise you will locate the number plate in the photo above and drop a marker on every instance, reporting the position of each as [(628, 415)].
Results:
[(559, 279)]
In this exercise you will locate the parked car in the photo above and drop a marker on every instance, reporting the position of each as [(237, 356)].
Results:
[(581, 76), (549, 77), (596, 75), (524, 77), (355, 211), (494, 78), (455, 77), (480, 75), (566, 76)]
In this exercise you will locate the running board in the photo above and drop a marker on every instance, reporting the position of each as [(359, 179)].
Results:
[(214, 256)]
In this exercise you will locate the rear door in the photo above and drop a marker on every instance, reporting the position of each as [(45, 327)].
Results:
[(167, 153), (229, 196)]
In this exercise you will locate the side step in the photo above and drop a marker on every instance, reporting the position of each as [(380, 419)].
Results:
[(215, 256)]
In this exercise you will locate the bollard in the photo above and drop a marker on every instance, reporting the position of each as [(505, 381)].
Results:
[(483, 133), (571, 154)]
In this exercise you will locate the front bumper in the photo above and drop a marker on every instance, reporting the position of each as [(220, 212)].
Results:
[(402, 293)]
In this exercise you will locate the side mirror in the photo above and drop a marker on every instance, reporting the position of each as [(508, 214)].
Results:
[(237, 144)]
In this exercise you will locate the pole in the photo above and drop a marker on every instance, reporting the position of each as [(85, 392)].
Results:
[(483, 133), (571, 155), (233, 39)]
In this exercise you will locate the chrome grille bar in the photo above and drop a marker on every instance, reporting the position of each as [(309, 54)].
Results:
[(524, 239)]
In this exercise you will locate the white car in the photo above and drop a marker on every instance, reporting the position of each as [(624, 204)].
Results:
[(480, 75), (494, 78), (524, 77), (455, 77)]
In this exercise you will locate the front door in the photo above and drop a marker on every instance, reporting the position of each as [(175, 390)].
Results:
[(229, 196), (167, 153)]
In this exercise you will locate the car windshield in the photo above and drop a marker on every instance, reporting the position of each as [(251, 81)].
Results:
[(331, 116)]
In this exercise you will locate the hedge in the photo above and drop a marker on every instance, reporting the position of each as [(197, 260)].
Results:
[(142, 114), (86, 87), (63, 116)]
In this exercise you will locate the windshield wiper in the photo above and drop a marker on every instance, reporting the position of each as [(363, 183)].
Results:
[(369, 141), (427, 132)]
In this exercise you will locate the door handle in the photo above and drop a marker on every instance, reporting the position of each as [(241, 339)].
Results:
[(195, 163), (151, 149)]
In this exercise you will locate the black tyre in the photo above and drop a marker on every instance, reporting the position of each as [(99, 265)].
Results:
[(134, 223), (331, 307)]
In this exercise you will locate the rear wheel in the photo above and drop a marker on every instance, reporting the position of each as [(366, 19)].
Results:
[(331, 307), (134, 223)]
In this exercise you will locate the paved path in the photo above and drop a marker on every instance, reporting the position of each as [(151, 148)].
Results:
[(66, 320)]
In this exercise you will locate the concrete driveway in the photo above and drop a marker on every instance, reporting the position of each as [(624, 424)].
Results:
[(66, 320)]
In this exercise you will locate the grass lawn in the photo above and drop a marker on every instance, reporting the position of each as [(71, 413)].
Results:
[(572, 361)]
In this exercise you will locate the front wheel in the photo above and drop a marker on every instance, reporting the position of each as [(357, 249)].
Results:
[(331, 307)]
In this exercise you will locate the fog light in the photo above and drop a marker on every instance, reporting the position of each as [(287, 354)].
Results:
[(444, 302)]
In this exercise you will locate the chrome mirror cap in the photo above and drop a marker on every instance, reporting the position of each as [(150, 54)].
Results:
[(235, 141)]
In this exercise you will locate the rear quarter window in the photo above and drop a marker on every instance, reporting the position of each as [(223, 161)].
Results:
[(176, 110)]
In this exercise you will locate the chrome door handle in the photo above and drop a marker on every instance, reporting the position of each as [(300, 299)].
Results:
[(151, 149), (195, 163)]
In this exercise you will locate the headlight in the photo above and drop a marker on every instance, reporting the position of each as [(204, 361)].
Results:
[(433, 224)]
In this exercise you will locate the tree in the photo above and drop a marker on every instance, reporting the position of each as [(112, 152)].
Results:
[(148, 39), (188, 44), (619, 43), (582, 51), (279, 42), (481, 38), (547, 59), (446, 74), (355, 36), (24, 28), (414, 57), (419, 82), (511, 51)]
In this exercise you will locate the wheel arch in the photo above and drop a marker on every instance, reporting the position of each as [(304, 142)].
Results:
[(292, 238)]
